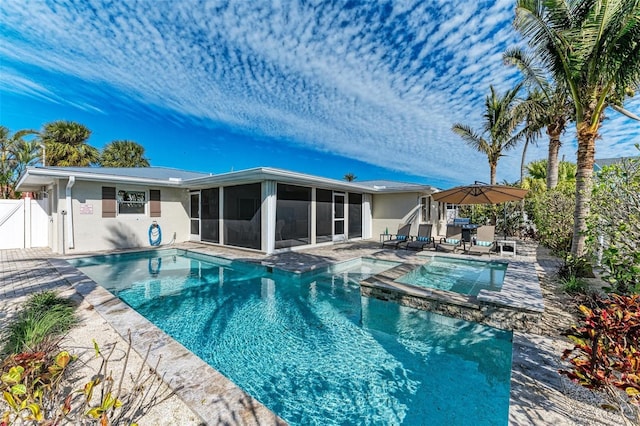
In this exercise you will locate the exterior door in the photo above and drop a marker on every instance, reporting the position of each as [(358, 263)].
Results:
[(339, 214), (194, 222)]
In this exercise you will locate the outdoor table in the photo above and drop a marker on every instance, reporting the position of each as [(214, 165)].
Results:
[(385, 237), (510, 243)]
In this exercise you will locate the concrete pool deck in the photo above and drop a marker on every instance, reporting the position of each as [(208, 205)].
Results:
[(539, 396)]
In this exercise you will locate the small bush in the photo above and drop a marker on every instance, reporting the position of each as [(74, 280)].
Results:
[(45, 317), (606, 352), (575, 267), (573, 285), (36, 389)]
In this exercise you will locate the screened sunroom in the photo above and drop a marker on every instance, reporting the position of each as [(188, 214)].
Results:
[(271, 215)]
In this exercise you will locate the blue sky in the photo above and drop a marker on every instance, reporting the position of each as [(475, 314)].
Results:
[(321, 87)]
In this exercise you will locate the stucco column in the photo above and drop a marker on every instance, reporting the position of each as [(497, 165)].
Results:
[(221, 216), (366, 217), (312, 217), (268, 216)]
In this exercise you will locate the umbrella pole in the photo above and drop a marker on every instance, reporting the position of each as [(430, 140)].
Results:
[(504, 225)]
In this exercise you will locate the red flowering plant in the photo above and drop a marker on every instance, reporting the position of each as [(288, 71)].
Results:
[(606, 353)]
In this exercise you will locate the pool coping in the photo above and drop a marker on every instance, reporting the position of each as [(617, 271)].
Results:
[(517, 306)]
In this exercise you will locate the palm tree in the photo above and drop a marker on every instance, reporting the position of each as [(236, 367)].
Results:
[(66, 144), (537, 171), (350, 177), (15, 155), (534, 111), (5, 162), (501, 118), (591, 48), (556, 107), (123, 153), (25, 153)]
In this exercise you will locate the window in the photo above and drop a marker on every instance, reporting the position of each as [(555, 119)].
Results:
[(324, 207), (121, 201), (425, 209), (210, 215), (355, 215), (242, 215), (195, 213), (131, 202), (293, 211)]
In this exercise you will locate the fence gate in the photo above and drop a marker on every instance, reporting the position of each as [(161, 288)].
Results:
[(23, 223)]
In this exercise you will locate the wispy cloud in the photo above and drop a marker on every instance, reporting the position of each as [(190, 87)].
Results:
[(381, 82)]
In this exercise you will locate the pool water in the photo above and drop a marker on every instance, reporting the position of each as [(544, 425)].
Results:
[(463, 276), (310, 348)]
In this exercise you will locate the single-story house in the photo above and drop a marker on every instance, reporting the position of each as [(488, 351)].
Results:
[(599, 164), (264, 209)]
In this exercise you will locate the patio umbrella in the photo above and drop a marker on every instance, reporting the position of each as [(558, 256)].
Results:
[(481, 193)]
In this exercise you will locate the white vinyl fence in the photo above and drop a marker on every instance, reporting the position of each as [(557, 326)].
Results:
[(23, 223)]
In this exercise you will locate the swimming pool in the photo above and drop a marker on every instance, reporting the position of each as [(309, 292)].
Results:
[(463, 276), (310, 347)]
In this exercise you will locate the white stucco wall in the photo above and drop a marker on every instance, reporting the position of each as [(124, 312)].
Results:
[(391, 210), (92, 232)]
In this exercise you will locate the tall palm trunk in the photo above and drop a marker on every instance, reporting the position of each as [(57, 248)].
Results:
[(552, 163), (492, 169), (523, 160), (584, 175), (522, 170)]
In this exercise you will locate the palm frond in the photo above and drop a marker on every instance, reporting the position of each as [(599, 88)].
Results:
[(534, 75)]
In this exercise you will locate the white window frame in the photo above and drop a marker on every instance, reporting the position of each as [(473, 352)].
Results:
[(144, 203)]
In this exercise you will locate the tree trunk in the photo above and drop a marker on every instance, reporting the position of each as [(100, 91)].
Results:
[(584, 175), (523, 160), (552, 161), (492, 169), (522, 168)]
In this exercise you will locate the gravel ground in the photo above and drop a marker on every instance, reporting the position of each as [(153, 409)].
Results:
[(160, 407), (540, 395)]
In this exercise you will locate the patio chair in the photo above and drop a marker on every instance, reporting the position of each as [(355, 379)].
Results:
[(423, 239), (402, 237), (452, 241), (485, 240)]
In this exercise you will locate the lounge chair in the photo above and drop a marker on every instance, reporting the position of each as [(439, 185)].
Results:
[(402, 237), (485, 240), (423, 239), (452, 241)]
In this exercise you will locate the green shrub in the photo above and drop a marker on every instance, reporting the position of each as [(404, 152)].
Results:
[(45, 317), (552, 213), (575, 267), (573, 285), (613, 225), (622, 271)]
